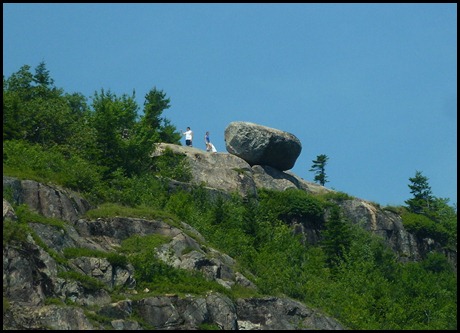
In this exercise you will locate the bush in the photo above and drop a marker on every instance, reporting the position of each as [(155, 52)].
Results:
[(424, 227), (31, 161), (172, 165), (290, 205)]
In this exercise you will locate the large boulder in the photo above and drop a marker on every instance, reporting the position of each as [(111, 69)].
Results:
[(261, 145)]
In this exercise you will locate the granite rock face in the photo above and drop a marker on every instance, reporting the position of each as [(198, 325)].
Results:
[(33, 282), (261, 145)]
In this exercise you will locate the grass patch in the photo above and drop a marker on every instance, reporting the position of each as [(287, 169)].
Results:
[(24, 174), (336, 196), (53, 301), (208, 327), (14, 231), (6, 305), (99, 320), (114, 259), (25, 215), (113, 209), (89, 283)]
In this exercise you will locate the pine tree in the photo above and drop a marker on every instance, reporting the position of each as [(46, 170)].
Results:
[(422, 202), (319, 168), (336, 237)]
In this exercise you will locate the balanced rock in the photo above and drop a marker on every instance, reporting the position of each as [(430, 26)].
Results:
[(261, 145)]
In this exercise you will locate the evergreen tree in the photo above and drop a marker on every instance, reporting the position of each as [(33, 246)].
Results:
[(42, 75), (154, 105), (33, 109), (336, 237), (152, 126), (319, 168), (113, 118), (422, 202)]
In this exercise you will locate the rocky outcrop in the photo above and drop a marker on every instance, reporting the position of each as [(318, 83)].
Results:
[(227, 173), (32, 278), (271, 313), (270, 178), (55, 202), (220, 171), (261, 145), (388, 225)]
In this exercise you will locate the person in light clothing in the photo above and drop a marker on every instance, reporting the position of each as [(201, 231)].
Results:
[(188, 137), (209, 146), (207, 141)]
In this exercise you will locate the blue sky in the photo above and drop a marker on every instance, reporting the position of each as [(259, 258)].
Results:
[(372, 86)]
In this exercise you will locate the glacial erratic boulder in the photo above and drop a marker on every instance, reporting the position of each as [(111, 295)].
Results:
[(261, 145)]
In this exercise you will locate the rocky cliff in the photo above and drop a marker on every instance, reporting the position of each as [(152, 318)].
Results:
[(33, 282)]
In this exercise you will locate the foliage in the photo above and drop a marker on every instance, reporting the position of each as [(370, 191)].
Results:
[(6, 305), (33, 161), (319, 167), (395, 209), (114, 119), (424, 227), (156, 275), (291, 205), (25, 215), (335, 196), (436, 263), (208, 327), (111, 210), (172, 165), (429, 216), (336, 237), (423, 198), (35, 110), (153, 127), (14, 232), (87, 282), (113, 258)]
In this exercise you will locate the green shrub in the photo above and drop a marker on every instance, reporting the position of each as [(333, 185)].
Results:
[(291, 204), (158, 276), (88, 282), (424, 227), (437, 263), (31, 161), (14, 232), (396, 209), (172, 165), (53, 301), (115, 259), (208, 327), (336, 196)]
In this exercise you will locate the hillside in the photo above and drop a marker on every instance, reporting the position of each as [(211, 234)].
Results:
[(84, 268)]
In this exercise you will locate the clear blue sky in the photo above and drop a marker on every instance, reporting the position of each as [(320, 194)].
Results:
[(372, 86)]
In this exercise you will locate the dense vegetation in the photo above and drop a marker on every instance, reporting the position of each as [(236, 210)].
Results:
[(101, 150)]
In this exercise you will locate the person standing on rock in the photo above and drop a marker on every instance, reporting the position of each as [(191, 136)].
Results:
[(188, 137), (207, 141)]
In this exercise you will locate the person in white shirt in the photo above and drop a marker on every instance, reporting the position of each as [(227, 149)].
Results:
[(188, 137)]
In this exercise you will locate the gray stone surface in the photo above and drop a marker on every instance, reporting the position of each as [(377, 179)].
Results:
[(261, 145)]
